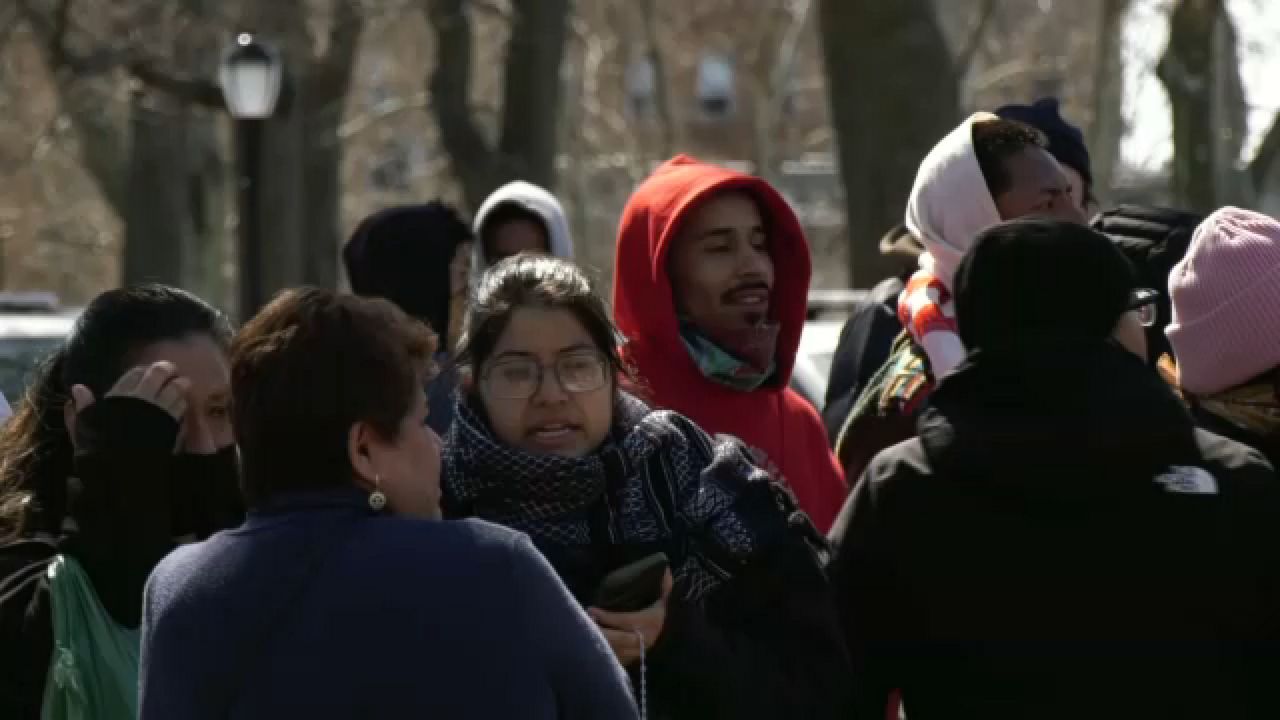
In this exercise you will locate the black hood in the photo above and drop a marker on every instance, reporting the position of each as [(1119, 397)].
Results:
[(403, 254), (1036, 280), (1073, 420)]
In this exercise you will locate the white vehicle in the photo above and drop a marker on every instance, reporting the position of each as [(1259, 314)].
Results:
[(813, 360), (32, 326), (828, 311)]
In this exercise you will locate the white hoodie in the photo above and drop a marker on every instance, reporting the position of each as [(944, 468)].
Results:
[(535, 200), (949, 205)]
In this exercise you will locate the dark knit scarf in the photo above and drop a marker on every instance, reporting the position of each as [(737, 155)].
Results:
[(725, 508)]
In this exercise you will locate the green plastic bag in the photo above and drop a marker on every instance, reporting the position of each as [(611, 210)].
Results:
[(94, 671)]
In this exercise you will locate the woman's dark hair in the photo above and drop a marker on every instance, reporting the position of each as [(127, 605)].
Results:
[(35, 447), (538, 281), (995, 141), (306, 369)]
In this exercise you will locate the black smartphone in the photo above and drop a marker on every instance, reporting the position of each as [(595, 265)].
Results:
[(633, 587)]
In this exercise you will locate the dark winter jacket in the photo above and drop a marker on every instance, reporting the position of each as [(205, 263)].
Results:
[(318, 608), (863, 347), (751, 630), (124, 469), (884, 411), (1154, 239), (1061, 541)]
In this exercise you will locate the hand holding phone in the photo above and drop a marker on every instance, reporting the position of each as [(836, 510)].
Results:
[(633, 587), (644, 585)]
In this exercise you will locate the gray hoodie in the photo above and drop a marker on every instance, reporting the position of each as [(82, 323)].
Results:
[(535, 200)]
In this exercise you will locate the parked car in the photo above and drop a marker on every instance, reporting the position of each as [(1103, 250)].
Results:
[(32, 326), (828, 310)]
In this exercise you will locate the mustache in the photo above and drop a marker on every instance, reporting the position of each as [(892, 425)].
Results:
[(727, 296)]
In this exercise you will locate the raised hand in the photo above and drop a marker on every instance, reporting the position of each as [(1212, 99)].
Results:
[(158, 384)]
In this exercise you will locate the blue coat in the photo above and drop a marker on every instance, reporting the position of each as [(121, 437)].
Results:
[(317, 608)]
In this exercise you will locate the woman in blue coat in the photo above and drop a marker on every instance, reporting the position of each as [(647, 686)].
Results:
[(342, 595)]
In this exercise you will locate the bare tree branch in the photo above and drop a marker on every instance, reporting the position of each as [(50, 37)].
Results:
[(1106, 125), (52, 31), (102, 150), (9, 21), (776, 88), (1265, 159), (1186, 71), (55, 30), (661, 86), (344, 43), (785, 60), (191, 90), (526, 147), (964, 58), (383, 110), (491, 8), (448, 87)]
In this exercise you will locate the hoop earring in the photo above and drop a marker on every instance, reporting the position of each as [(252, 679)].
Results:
[(377, 498)]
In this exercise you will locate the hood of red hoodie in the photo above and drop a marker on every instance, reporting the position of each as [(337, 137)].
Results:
[(644, 308)]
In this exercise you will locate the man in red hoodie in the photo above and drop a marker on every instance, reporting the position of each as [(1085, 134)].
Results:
[(710, 286)]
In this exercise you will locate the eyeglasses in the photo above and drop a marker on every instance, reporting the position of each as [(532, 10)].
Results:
[(521, 378), (1143, 300)]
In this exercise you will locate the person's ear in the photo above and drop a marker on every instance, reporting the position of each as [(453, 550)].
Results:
[(360, 439)]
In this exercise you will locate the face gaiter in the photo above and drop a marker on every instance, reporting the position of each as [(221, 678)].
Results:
[(742, 359), (204, 492)]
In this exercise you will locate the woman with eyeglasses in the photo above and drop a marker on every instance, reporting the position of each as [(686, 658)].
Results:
[(1225, 332), (701, 572), (1060, 540), (342, 595)]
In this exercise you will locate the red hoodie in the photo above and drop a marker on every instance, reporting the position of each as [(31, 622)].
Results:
[(773, 420)]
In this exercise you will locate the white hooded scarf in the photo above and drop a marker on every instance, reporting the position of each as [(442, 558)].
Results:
[(533, 199), (950, 203)]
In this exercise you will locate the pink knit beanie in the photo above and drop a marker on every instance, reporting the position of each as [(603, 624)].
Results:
[(1226, 302)]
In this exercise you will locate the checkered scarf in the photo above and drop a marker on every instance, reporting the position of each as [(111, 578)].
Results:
[(729, 508)]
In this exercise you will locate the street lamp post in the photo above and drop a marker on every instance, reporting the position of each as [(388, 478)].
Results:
[(250, 75)]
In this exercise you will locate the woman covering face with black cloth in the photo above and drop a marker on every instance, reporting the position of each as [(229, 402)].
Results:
[(121, 449)]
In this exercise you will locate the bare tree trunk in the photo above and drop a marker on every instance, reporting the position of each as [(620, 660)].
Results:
[(157, 216), (301, 198), (324, 102), (526, 147), (532, 88), (103, 145), (893, 95), (205, 260), (1230, 117), (774, 77), (210, 242), (322, 219), (1262, 167), (1106, 128), (671, 131), (173, 228), (153, 167), (1187, 72)]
